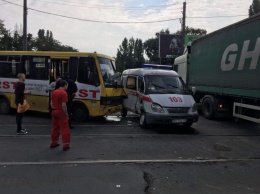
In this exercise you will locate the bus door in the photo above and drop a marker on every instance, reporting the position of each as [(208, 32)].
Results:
[(73, 68), (36, 69), (61, 66), (64, 67)]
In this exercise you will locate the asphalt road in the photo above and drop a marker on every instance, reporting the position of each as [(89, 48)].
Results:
[(114, 155)]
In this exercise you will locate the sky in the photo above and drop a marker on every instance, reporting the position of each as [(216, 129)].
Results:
[(101, 25)]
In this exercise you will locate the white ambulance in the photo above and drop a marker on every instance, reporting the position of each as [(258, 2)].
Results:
[(159, 97)]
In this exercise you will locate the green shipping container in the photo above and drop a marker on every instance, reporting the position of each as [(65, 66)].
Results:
[(227, 61)]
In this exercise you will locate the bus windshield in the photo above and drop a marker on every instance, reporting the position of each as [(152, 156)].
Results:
[(110, 76), (107, 68)]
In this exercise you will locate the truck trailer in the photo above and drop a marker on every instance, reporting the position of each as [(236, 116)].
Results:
[(223, 68)]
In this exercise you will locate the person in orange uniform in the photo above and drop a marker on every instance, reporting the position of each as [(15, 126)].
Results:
[(60, 117)]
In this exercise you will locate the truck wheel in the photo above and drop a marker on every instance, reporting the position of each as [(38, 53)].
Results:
[(80, 113), (5, 107), (142, 121), (123, 112), (208, 108)]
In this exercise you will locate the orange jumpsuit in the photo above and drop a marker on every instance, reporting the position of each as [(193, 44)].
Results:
[(59, 119)]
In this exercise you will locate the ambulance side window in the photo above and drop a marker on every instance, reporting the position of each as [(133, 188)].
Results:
[(140, 84), (131, 83)]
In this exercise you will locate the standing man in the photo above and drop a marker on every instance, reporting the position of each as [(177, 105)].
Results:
[(72, 89), (53, 84), (60, 117), (20, 93)]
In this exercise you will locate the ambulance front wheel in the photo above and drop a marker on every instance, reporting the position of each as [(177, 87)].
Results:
[(123, 112), (142, 121)]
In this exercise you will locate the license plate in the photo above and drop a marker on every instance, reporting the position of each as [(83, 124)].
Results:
[(179, 121)]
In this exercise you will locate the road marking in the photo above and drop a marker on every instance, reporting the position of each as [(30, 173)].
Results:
[(90, 125), (167, 161), (86, 135), (131, 135)]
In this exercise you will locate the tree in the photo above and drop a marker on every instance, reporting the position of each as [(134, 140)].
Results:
[(130, 54), (121, 56), (46, 42), (193, 31), (254, 8), (30, 42), (17, 42), (139, 53), (5, 37)]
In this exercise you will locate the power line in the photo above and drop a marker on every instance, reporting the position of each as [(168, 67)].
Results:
[(112, 7), (113, 22), (108, 6), (8, 2), (230, 16), (88, 20), (99, 21)]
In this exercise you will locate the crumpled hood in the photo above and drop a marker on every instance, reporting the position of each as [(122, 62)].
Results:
[(172, 100)]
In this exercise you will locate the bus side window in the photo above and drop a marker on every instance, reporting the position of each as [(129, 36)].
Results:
[(36, 67), (9, 66)]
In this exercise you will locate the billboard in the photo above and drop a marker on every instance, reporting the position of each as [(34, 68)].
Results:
[(189, 38), (170, 45)]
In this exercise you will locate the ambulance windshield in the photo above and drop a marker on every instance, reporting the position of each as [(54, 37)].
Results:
[(163, 84)]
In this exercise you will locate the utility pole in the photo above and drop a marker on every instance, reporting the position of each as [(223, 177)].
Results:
[(183, 24), (25, 25)]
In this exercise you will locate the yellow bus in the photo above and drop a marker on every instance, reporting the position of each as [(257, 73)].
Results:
[(100, 97)]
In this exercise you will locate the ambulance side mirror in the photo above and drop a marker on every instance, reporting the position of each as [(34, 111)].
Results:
[(193, 90)]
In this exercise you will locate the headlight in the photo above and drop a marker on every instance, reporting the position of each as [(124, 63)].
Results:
[(194, 108), (157, 108)]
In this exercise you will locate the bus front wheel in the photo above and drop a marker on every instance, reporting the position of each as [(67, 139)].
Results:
[(4, 106), (80, 113)]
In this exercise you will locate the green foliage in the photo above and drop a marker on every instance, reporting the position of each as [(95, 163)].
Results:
[(17, 42), (44, 41), (129, 54), (193, 31), (254, 8), (5, 38)]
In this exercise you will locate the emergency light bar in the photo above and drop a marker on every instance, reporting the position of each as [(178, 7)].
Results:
[(156, 66)]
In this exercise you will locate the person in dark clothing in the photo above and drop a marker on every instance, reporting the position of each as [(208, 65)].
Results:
[(72, 89), (20, 93)]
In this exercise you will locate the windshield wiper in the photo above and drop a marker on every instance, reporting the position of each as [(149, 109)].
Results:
[(163, 88), (176, 87)]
